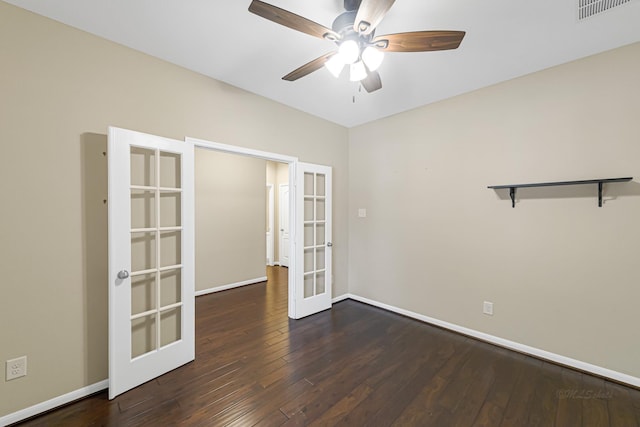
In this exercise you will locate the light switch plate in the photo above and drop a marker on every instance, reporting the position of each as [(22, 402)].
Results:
[(362, 213), (487, 308)]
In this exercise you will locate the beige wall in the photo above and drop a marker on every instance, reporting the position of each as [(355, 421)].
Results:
[(60, 89), (563, 274), (230, 213)]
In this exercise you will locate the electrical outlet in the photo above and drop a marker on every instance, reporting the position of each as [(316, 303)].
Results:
[(487, 308), (16, 368)]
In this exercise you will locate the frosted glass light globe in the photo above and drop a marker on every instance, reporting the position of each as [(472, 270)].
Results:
[(335, 64), (349, 51), (372, 57), (358, 72)]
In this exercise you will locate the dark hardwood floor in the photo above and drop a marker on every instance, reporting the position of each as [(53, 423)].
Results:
[(354, 365)]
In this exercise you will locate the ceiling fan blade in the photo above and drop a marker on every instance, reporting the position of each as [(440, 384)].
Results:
[(372, 82), (291, 20), (419, 41), (308, 68), (370, 14)]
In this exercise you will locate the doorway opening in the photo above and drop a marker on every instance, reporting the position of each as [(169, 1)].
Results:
[(241, 229), (230, 159), (278, 224)]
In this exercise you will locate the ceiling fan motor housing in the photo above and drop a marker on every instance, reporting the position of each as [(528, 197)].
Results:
[(351, 5), (344, 21), (343, 25)]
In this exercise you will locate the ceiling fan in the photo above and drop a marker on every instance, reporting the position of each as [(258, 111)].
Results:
[(354, 33)]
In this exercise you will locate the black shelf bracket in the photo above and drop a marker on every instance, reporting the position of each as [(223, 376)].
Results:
[(600, 194), (512, 187)]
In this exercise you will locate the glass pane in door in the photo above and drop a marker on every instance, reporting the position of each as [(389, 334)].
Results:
[(143, 209), (170, 287), (143, 251), (170, 322), (315, 214), (143, 335), (170, 208), (156, 250), (308, 285), (143, 167), (143, 293), (170, 170)]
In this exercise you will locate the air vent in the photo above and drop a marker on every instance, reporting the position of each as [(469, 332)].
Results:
[(587, 8)]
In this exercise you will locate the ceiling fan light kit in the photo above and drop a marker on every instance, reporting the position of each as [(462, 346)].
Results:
[(354, 33), (350, 52)]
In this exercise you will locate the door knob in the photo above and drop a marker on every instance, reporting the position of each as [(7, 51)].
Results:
[(329, 244), (123, 274)]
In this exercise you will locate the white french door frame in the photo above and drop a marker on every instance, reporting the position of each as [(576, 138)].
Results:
[(292, 162)]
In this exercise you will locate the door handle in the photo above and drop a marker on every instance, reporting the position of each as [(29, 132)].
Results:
[(329, 244), (123, 274)]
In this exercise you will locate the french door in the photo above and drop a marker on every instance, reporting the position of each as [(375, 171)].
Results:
[(151, 257), (313, 239)]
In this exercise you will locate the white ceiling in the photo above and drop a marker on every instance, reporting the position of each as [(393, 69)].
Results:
[(221, 39)]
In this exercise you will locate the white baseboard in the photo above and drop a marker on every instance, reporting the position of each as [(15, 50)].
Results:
[(53, 403), (340, 298), (231, 286), (522, 348)]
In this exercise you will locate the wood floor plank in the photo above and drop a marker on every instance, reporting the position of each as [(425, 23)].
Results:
[(570, 408), (389, 387), (339, 380), (622, 411), (264, 404), (595, 412), (507, 367), (516, 412), (343, 406), (467, 412), (273, 419), (543, 407), (423, 409), (353, 365)]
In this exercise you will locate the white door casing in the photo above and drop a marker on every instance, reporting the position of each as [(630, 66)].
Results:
[(298, 305), (270, 224), (284, 225), (289, 160), (151, 257), (313, 239)]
